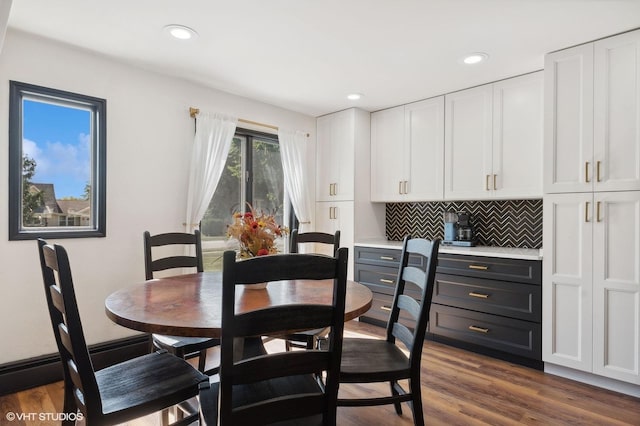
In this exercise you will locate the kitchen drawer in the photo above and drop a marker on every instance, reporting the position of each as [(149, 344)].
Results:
[(514, 336), (512, 270), (384, 257), (509, 299), (382, 280)]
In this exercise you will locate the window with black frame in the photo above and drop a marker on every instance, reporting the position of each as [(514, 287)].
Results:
[(57, 163)]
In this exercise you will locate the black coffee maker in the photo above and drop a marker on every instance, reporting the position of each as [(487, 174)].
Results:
[(465, 230), (459, 233)]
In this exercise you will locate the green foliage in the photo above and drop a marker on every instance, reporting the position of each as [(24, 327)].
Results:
[(31, 200)]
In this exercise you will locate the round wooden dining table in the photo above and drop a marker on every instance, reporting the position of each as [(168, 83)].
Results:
[(191, 305)]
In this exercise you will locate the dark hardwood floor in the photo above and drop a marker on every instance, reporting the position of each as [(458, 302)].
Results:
[(458, 388)]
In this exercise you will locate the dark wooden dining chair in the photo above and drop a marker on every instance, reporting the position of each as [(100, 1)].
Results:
[(375, 360), (274, 387), (183, 347), (118, 393), (310, 338)]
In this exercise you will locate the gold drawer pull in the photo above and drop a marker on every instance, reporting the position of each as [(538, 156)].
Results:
[(385, 308), (479, 267), (478, 329), (386, 281), (387, 258), (479, 295)]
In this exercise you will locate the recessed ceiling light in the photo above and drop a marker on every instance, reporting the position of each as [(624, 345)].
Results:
[(180, 32), (354, 96), (475, 58)]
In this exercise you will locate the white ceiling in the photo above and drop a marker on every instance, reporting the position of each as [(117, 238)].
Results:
[(307, 55)]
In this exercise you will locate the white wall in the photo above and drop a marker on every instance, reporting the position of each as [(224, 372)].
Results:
[(149, 134), (5, 8)]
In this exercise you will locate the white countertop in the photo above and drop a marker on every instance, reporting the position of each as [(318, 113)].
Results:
[(504, 252)]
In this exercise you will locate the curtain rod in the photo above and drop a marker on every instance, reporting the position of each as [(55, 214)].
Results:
[(195, 111)]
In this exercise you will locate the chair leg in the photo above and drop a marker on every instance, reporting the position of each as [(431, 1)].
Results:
[(69, 406), (202, 359), (394, 392), (416, 402)]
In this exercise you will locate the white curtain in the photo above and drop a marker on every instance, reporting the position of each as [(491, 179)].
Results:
[(293, 151), (211, 144)]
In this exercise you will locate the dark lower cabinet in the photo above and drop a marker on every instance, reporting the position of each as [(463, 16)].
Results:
[(487, 305)]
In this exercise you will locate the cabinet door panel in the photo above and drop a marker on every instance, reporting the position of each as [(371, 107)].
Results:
[(468, 133), (568, 140), (334, 216), (517, 137), (424, 141), (387, 155), (335, 156), (616, 304), (324, 162), (617, 112), (567, 280)]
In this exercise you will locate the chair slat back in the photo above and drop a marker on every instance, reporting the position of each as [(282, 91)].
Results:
[(418, 310), (281, 319), (298, 238), (171, 262), (67, 327)]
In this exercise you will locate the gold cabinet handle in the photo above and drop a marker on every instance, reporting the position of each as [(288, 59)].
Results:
[(479, 267), (386, 281), (479, 295), (405, 185), (385, 308), (586, 172), (598, 170), (494, 182), (486, 183), (586, 212), (400, 187), (478, 329), (330, 189), (387, 258), (598, 218)]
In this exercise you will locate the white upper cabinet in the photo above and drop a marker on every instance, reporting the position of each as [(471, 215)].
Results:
[(407, 152), (517, 137), (493, 140), (335, 156), (468, 133), (387, 154), (592, 116), (616, 103), (568, 138)]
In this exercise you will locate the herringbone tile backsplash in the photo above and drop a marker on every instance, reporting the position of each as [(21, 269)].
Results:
[(504, 223)]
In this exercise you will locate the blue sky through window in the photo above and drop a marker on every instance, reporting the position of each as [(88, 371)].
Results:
[(58, 138)]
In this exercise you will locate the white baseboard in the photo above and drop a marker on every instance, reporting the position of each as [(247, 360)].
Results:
[(593, 379)]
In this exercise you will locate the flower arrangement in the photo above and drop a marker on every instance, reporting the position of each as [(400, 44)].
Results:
[(255, 233)]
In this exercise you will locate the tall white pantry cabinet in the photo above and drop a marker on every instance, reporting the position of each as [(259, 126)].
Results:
[(342, 180), (591, 272)]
